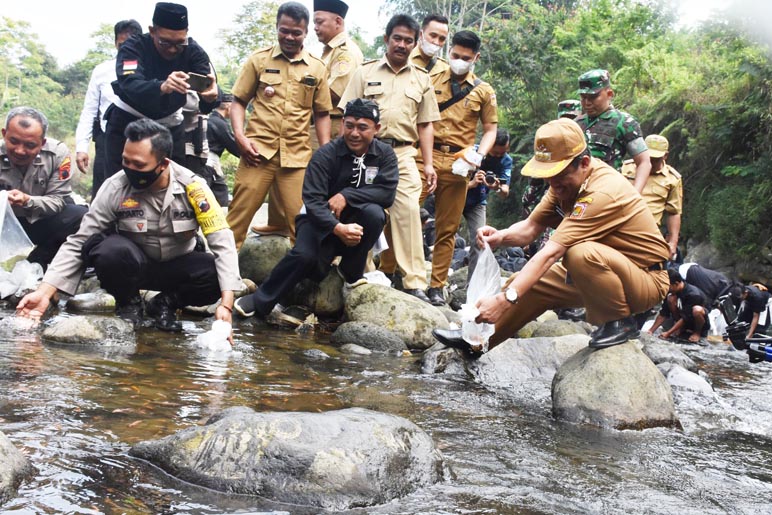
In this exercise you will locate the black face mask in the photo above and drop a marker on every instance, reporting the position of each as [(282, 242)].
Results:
[(140, 180)]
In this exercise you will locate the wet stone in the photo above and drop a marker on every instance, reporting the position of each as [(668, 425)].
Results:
[(335, 460), (260, 254), (353, 348), (660, 351), (14, 468), (90, 331), (95, 302), (369, 336)]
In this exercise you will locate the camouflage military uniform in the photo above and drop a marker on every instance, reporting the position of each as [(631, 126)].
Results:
[(611, 135)]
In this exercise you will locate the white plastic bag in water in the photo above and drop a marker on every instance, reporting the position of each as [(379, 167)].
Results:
[(216, 339), (25, 277), (14, 242), (485, 282)]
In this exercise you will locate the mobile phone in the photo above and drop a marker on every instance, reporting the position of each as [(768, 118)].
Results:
[(199, 82)]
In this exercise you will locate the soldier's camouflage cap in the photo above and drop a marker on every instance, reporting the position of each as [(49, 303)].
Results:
[(593, 81), (658, 145), (569, 109)]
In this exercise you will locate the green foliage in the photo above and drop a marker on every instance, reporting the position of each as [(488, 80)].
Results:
[(254, 27)]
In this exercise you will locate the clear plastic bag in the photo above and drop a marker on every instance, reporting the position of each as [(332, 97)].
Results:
[(216, 339), (14, 243), (485, 282)]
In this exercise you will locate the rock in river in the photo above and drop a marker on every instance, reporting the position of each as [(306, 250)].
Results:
[(336, 460), (369, 336), (260, 254), (90, 331), (617, 387), (14, 468)]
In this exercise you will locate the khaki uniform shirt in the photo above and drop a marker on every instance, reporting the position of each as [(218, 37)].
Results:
[(418, 59), (162, 223), (459, 122), (283, 93), (46, 180), (608, 210), (405, 97), (342, 57), (663, 191)]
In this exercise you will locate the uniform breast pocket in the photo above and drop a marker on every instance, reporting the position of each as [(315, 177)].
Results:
[(305, 93), (184, 229), (373, 92), (602, 143), (658, 190), (270, 88), (412, 100)]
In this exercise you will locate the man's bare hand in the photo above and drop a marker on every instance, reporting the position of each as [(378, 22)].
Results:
[(34, 304), (431, 179), (210, 94), (349, 234), (337, 204), (81, 159), (490, 235), (249, 151), (176, 81), (17, 198), (492, 308)]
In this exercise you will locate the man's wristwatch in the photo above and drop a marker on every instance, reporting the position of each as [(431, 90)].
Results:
[(511, 295)]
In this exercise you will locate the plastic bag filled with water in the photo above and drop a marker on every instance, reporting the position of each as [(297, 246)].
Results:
[(485, 282), (14, 243)]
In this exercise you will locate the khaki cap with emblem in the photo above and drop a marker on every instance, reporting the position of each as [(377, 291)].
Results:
[(556, 144), (658, 145)]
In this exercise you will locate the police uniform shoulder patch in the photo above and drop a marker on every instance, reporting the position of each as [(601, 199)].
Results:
[(64, 169), (342, 65), (208, 212)]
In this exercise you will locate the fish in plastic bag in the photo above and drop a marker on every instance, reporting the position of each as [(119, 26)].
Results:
[(485, 282)]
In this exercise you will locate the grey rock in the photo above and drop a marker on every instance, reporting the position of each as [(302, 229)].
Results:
[(554, 328), (316, 354), (451, 316), (439, 359), (617, 387), (706, 254), (660, 351), (91, 331), (323, 299), (353, 348), (682, 379), (336, 460), (459, 279), (404, 315), (88, 285), (369, 336), (94, 302), (14, 468), (260, 254)]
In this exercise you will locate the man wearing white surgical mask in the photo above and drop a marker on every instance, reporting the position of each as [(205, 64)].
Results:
[(463, 100), (433, 35)]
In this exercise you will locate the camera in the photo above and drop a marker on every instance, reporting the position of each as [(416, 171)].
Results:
[(758, 347), (490, 178)]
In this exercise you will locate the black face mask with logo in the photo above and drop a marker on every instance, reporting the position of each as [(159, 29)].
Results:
[(140, 180)]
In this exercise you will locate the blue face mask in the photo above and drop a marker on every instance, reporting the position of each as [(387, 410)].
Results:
[(140, 180)]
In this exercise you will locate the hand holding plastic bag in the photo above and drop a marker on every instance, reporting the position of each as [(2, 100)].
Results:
[(466, 161), (485, 282)]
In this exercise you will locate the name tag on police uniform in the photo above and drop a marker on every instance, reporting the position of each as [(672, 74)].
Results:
[(371, 172)]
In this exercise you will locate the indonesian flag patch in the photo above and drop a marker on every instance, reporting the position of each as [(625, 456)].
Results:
[(129, 67)]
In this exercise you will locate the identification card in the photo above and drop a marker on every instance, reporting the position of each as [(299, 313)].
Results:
[(370, 173)]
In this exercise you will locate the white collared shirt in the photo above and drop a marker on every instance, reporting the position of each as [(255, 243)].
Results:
[(99, 96)]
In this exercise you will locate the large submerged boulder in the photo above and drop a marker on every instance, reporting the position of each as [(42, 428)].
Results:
[(14, 468), (369, 336), (617, 387), (336, 460), (90, 331), (404, 315), (260, 254)]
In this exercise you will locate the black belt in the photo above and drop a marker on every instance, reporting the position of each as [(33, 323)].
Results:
[(336, 116), (662, 265), (395, 143), (447, 148)]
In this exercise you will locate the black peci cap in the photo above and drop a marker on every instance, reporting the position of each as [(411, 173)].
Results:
[(333, 6), (170, 16)]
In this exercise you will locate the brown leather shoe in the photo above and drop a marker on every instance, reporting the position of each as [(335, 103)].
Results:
[(270, 230)]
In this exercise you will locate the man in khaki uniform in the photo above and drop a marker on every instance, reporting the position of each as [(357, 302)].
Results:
[(663, 192), (408, 107), (426, 54), (285, 85), (464, 100), (613, 255), (342, 57)]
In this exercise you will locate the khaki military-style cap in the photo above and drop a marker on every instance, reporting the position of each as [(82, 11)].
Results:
[(658, 145), (556, 144)]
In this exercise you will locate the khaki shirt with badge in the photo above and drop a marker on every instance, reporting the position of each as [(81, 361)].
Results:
[(405, 97), (609, 210), (46, 180), (163, 224), (342, 57), (458, 125), (284, 93), (664, 191)]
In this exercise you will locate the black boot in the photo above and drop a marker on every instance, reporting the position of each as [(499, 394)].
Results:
[(419, 294), (163, 307), (130, 311), (435, 296), (614, 333)]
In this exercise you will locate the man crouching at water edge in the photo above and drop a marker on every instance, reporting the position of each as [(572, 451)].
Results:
[(348, 184), (141, 233), (613, 255)]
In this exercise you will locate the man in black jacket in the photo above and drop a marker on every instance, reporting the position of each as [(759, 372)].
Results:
[(348, 184), (687, 305), (153, 73)]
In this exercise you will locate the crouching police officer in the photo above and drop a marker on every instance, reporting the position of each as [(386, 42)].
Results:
[(36, 173), (141, 233)]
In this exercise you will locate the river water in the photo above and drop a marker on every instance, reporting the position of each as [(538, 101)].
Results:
[(76, 414)]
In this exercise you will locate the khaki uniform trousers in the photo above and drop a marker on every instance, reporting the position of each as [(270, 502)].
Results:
[(275, 212), (403, 232), (449, 201), (602, 280), (252, 185)]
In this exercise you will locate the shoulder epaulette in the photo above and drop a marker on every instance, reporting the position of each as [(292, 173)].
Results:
[(370, 61), (673, 171)]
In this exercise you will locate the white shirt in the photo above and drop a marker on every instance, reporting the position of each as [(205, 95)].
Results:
[(99, 96)]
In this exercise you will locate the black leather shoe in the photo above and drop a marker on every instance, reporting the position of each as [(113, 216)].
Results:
[(614, 333), (419, 294), (163, 307), (452, 338), (131, 311), (396, 280), (435, 296)]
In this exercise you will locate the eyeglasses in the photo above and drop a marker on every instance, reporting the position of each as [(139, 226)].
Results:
[(171, 44)]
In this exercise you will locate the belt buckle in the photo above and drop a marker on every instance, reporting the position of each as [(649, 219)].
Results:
[(445, 148)]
